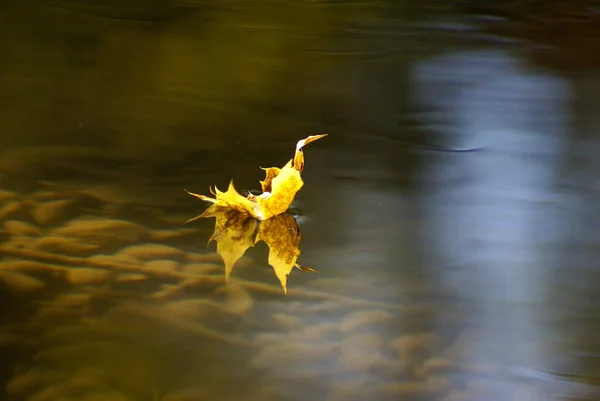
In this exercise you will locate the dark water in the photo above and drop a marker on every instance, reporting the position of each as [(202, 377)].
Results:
[(451, 213)]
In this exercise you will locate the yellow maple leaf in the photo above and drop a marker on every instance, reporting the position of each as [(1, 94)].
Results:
[(234, 233), (230, 199), (279, 188), (282, 235), (271, 173)]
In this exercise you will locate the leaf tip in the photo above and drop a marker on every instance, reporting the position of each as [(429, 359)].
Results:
[(305, 269), (204, 198), (193, 219)]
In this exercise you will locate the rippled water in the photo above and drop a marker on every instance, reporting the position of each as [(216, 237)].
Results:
[(451, 213)]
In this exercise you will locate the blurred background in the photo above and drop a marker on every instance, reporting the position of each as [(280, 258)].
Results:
[(451, 212)]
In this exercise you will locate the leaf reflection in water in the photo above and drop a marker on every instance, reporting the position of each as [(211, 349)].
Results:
[(236, 231)]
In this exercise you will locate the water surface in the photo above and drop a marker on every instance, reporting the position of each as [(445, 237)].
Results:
[(450, 213)]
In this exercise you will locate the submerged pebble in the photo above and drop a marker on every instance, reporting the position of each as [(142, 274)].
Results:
[(20, 228), (130, 277), (44, 196), (236, 299), (51, 213), (210, 257), (20, 283), (360, 319), (115, 260), (86, 275), (262, 288), (17, 242), (285, 321), (434, 365), (62, 245), (10, 209), (74, 299), (321, 331), (152, 251), (265, 339), (161, 265), (201, 268), (102, 232), (168, 235), (361, 352), (418, 345), (29, 266), (7, 195)]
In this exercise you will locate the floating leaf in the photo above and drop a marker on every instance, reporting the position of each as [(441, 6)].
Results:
[(235, 232), (279, 188), (282, 235), (230, 199), (237, 217)]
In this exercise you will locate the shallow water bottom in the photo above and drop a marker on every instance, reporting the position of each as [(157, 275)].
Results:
[(102, 307)]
